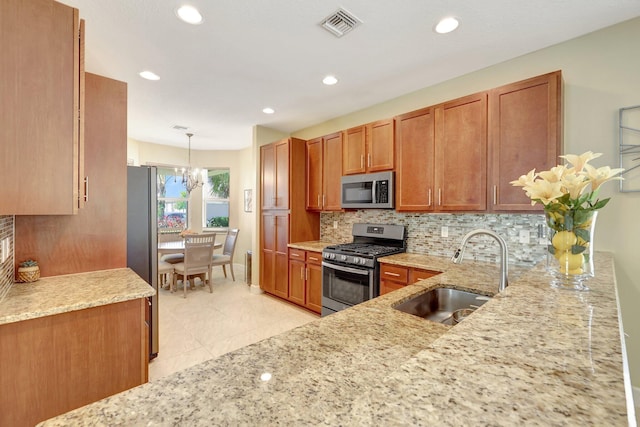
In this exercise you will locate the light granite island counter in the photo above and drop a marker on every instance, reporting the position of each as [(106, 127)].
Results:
[(66, 341), (532, 355)]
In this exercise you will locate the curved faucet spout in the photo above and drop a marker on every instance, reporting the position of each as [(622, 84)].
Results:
[(504, 254)]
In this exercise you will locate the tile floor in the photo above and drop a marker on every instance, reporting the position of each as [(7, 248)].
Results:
[(207, 325)]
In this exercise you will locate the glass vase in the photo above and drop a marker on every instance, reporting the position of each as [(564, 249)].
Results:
[(570, 248)]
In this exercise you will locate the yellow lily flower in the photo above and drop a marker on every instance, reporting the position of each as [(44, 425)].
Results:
[(599, 176), (578, 162)]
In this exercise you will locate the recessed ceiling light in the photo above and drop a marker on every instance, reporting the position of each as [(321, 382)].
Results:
[(149, 75), (446, 25), (189, 14), (330, 80), (268, 110)]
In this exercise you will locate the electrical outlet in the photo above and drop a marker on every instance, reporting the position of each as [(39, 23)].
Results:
[(335, 224), (444, 232), (524, 236)]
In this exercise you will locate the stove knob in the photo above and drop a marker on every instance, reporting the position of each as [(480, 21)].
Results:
[(343, 257), (363, 261), (332, 256)]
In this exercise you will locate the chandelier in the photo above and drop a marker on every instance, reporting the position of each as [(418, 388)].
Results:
[(190, 177)]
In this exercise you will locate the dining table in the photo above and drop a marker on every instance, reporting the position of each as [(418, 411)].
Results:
[(177, 247)]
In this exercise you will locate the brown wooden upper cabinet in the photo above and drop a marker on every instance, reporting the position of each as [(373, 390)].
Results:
[(40, 108), (525, 132), (441, 155), (324, 169), (274, 175), (368, 148)]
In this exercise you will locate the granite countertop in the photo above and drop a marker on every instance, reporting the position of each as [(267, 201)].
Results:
[(314, 245), (61, 294), (531, 355)]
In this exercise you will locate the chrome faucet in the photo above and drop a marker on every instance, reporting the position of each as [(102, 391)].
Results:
[(504, 255)]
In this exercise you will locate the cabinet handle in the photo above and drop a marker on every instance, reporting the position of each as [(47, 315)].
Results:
[(495, 194), (323, 199), (302, 273), (439, 196), (313, 258), (429, 204), (295, 254), (306, 274), (86, 188), (318, 199), (369, 160), (388, 273), (361, 160)]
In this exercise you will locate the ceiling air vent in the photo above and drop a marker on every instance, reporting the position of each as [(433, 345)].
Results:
[(179, 127), (340, 22)]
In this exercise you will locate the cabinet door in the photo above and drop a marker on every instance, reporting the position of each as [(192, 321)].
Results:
[(415, 157), (267, 176), (282, 175), (332, 172), (380, 146), (461, 151), (39, 126), (314, 285), (281, 269), (297, 279), (525, 132), (314, 174), (268, 253), (387, 286), (353, 151)]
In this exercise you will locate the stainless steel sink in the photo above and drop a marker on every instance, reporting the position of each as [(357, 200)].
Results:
[(439, 304)]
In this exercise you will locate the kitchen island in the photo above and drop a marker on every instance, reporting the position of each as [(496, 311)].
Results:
[(531, 355), (70, 340)]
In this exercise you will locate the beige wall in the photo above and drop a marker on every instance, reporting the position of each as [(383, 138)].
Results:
[(601, 74), (242, 176)]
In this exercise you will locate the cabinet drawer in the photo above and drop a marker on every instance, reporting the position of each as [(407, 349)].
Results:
[(314, 257), (394, 272), (418, 274), (298, 254)]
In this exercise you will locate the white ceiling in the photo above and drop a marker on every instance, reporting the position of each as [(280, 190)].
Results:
[(248, 54)]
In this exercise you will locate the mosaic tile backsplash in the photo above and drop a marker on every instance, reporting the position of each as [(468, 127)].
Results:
[(6, 268), (425, 232)]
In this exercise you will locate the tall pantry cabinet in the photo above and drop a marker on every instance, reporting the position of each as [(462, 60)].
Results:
[(284, 218)]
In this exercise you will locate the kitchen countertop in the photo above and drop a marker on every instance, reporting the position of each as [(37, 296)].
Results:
[(61, 294), (314, 245), (531, 355)]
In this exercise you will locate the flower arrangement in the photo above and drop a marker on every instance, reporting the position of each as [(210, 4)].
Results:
[(569, 194)]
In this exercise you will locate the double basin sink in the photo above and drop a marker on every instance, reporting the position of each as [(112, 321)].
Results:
[(444, 305)]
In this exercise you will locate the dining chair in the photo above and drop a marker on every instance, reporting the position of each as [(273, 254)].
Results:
[(226, 258), (198, 258), (165, 274), (170, 258)]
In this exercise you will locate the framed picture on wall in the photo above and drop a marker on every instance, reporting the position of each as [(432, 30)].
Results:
[(248, 200)]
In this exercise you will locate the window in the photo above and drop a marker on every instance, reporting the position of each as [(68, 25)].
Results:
[(173, 201), (215, 199)]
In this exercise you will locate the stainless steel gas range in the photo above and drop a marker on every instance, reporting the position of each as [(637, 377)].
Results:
[(351, 272)]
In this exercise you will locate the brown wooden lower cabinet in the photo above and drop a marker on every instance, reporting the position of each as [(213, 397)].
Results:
[(394, 277), (53, 364), (305, 279)]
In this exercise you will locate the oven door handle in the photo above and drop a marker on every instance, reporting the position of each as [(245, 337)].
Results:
[(346, 269)]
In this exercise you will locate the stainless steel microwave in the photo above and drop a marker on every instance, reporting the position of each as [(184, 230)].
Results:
[(370, 190)]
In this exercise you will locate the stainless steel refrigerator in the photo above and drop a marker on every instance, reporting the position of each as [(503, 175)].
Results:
[(142, 237)]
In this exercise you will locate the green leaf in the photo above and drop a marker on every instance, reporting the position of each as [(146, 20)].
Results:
[(601, 204), (583, 233), (568, 221), (581, 216), (577, 249), (551, 249)]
